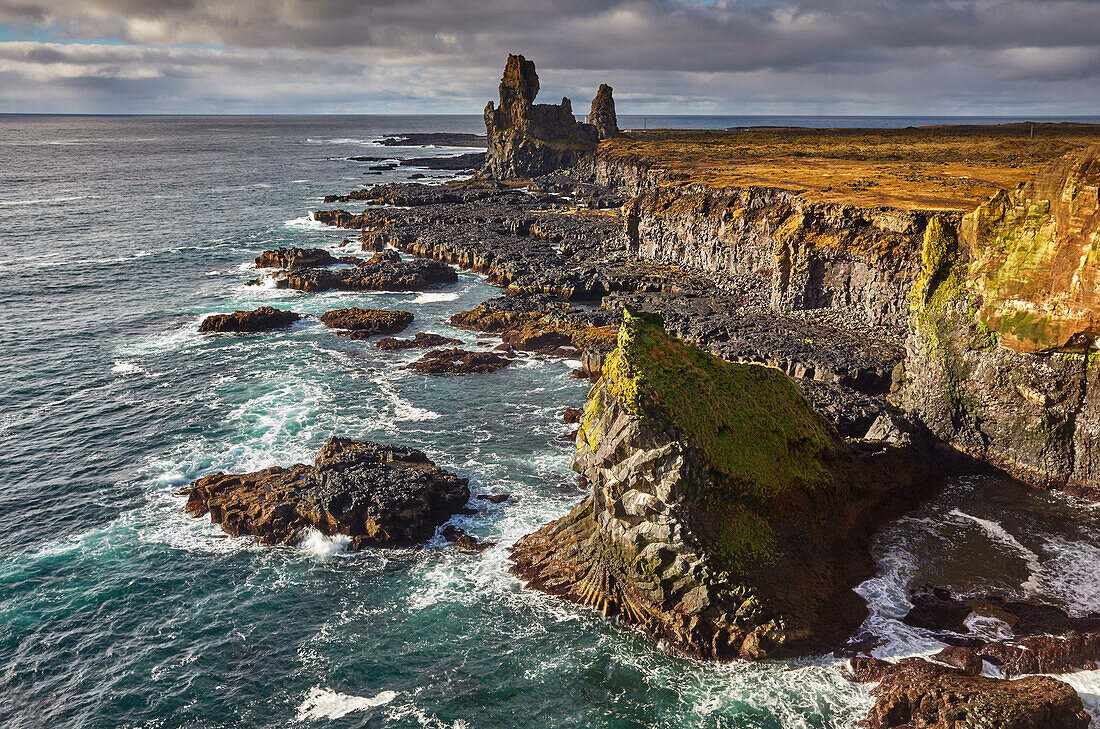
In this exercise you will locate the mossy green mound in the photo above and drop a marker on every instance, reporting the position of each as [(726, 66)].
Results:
[(752, 422)]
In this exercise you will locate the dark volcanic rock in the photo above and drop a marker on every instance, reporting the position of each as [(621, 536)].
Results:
[(965, 659), (257, 320), (915, 694), (384, 272), (422, 340), (528, 139), (434, 139), (363, 323), (572, 416), (381, 496), (1065, 653), (294, 257), (457, 362), (603, 113), (457, 163)]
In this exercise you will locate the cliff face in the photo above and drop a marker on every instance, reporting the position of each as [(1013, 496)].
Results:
[(726, 516), (1035, 256), (858, 261), (528, 139), (1001, 359)]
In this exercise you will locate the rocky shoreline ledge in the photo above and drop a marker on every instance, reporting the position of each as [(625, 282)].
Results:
[(794, 336)]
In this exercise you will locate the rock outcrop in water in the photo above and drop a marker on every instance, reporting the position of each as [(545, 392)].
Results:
[(294, 257), (385, 271), (1002, 360), (262, 319), (362, 323), (528, 139), (916, 694), (455, 361), (726, 517), (379, 495)]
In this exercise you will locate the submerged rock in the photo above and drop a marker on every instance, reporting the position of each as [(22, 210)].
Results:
[(726, 517), (457, 362), (916, 694), (380, 495), (422, 340), (258, 320), (1044, 638), (362, 323)]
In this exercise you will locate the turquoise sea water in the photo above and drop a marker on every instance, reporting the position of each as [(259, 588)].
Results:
[(117, 235)]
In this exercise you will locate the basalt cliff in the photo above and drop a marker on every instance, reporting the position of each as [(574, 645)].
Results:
[(1002, 355)]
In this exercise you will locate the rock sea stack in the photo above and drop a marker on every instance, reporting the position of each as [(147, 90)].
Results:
[(379, 495), (362, 323), (528, 139), (726, 517), (602, 115), (262, 319)]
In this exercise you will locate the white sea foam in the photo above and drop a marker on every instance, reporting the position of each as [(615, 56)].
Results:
[(319, 545), (1087, 686), (1072, 575), (988, 627), (126, 368), (433, 298), (997, 533), (574, 364), (306, 222), (324, 703), (42, 201)]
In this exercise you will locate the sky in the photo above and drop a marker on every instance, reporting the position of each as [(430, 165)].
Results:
[(905, 57)]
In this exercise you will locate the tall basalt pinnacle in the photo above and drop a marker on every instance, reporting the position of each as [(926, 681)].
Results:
[(726, 516), (602, 115), (528, 139)]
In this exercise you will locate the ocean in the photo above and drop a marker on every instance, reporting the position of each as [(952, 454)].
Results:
[(117, 236)]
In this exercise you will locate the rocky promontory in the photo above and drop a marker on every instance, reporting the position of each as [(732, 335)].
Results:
[(726, 517), (379, 495)]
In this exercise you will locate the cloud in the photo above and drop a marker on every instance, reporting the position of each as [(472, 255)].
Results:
[(726, 55)]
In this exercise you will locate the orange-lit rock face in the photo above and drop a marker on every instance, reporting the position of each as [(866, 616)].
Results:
[(1035, 257)]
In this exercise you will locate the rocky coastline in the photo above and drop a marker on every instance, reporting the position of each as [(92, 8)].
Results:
[(779, 368)]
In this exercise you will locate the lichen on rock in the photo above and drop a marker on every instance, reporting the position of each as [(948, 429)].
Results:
[(726, 516), (1001, 355), (1035, 257)]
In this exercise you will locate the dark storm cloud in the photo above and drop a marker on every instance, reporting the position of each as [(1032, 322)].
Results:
[(732, 54)]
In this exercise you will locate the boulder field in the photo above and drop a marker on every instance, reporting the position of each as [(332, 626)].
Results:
[(379, 495)]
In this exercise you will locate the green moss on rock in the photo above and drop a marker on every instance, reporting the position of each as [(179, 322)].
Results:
[(752, 422)]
